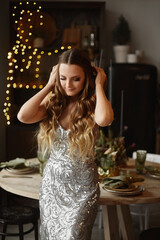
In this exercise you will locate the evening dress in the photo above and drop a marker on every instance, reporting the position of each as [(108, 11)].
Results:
[(69, 193)]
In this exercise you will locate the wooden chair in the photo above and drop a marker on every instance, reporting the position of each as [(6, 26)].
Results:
[(18, 215), (150, 234)]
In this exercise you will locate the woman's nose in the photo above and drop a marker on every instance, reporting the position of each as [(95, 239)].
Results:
[(68, 83)]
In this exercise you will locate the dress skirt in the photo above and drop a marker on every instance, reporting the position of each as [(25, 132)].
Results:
[(69, 194)]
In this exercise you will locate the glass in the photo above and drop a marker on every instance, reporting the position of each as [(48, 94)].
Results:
[(140, 161), (42, 159)]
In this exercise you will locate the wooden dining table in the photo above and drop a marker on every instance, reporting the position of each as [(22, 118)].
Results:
[(116, 212)]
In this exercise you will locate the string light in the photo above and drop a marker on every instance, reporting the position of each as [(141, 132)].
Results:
[(18, 60)]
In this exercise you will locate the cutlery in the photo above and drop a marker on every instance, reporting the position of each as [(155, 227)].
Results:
[(17, 176)]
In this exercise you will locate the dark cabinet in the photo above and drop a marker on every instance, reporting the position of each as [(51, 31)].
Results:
[(138, 83)]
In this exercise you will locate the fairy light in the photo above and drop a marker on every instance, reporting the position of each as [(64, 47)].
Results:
[(18, 60)]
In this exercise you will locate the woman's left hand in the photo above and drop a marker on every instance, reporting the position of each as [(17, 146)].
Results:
[(101, 77)]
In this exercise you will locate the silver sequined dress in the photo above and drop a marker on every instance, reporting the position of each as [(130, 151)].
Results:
[(69, 194)]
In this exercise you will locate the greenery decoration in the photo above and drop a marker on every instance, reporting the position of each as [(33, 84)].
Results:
[(121, 34), (110, 153)]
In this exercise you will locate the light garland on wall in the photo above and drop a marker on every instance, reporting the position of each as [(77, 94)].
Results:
[(18, 59)]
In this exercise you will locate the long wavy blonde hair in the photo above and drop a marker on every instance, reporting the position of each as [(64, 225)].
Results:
[(82, 128)]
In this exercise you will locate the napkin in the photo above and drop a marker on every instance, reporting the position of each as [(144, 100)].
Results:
[(116, 182), (15, 163)]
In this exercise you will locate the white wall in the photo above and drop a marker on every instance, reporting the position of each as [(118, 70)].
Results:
[(143, 17)]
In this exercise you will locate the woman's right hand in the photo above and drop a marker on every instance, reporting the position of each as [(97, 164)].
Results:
[(52, 76)]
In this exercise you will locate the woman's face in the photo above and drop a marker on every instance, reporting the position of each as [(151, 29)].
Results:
[(72, 78)]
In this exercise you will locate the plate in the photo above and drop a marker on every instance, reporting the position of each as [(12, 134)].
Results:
[(154, 175), (132, 191), (20, 171)]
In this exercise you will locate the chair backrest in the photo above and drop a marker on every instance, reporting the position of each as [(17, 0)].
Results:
[(151, 157)]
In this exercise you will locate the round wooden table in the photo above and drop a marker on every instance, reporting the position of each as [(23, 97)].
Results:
[(115, 208)]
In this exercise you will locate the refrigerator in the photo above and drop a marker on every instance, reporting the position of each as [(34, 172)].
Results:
[(132, 92)]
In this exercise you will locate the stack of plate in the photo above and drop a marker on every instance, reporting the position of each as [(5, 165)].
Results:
[(130, 191), (20, 171)]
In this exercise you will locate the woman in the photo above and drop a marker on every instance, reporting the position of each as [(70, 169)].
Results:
[(69, 113)]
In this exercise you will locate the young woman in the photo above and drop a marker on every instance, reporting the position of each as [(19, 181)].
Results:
[(69, 112)]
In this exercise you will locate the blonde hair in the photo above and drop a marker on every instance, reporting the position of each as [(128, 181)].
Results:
[(83, 128)]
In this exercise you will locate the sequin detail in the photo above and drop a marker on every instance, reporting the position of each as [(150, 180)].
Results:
[(69, 194)]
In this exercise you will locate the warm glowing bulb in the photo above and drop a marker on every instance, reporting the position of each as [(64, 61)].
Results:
[(38, 62), (27, 86), (37, 76)]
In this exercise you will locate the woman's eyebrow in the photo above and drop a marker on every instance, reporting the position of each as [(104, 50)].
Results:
[(76, 76)]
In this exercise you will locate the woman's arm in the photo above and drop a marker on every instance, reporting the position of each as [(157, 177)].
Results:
[(34, 110), (103, 110)]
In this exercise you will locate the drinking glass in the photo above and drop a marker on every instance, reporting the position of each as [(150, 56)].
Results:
[(42, 159), (140, 160)]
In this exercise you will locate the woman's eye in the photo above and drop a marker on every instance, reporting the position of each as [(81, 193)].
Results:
[(77, 79), (62, 79)]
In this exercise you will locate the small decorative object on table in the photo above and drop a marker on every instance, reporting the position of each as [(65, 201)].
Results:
[(110, 155), (140, 161), (42, 159)]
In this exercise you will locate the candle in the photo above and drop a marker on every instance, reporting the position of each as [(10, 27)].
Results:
[(100, 59), (110, 82), (121, 115)]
